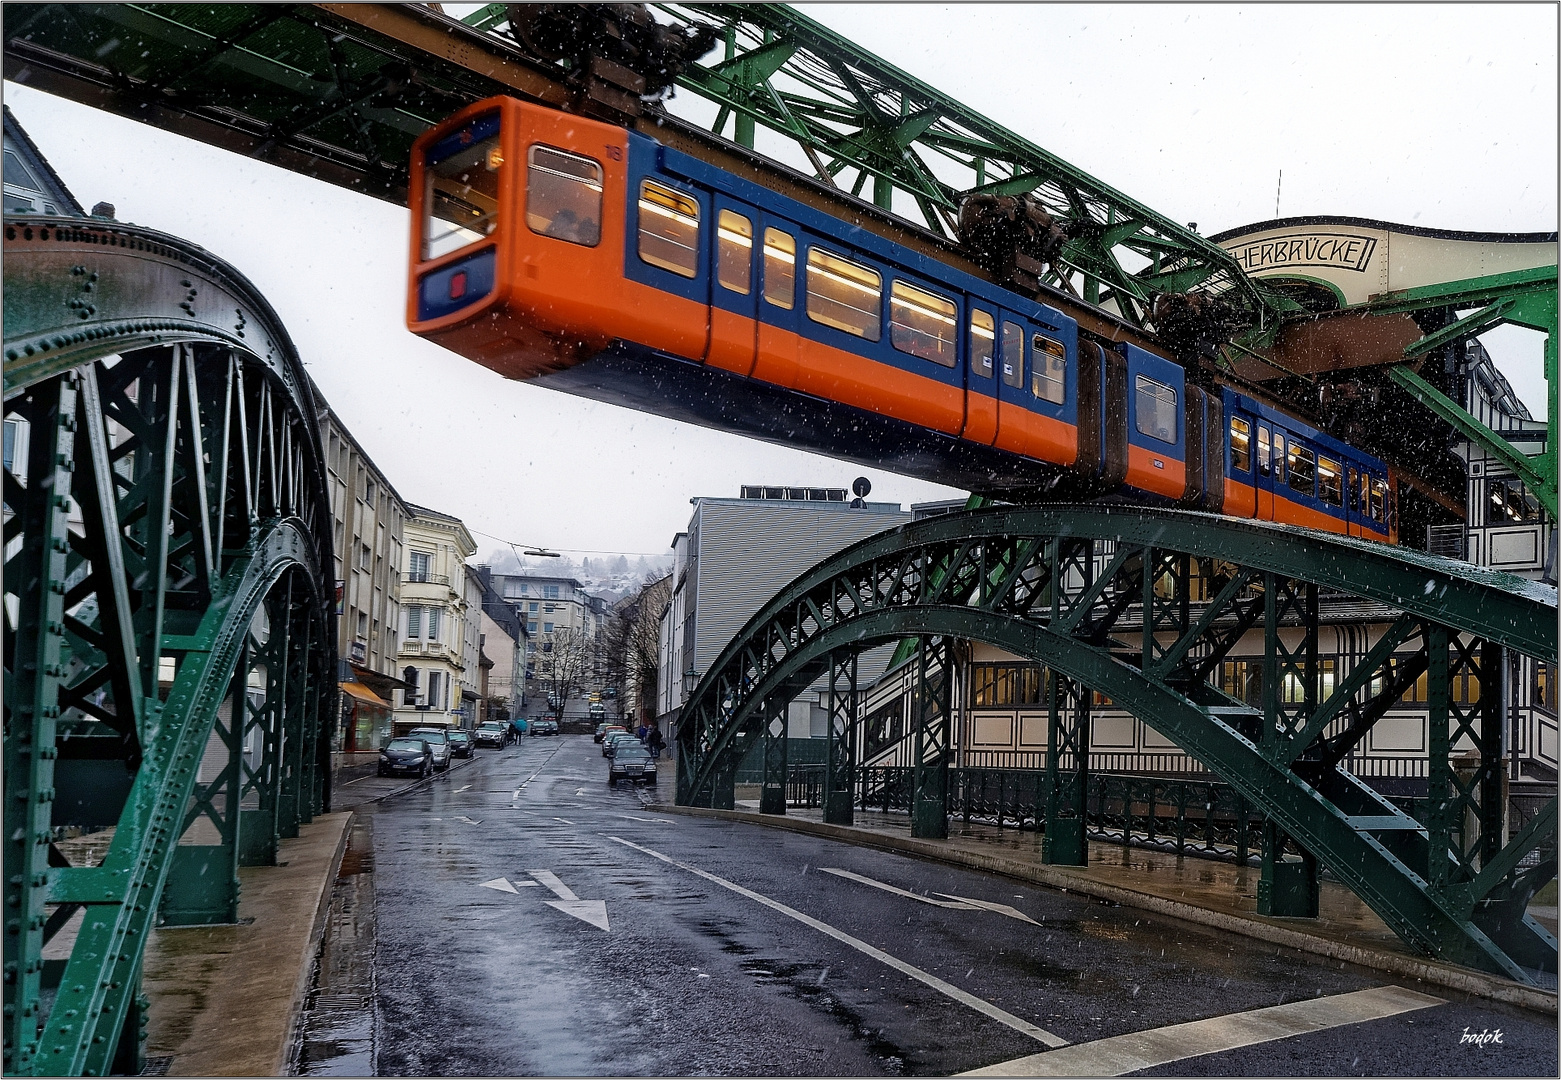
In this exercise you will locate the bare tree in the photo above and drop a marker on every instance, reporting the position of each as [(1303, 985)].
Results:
[(631, 646), (563, 662)]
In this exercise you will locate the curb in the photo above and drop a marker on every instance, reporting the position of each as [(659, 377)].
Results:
[(285, 1058), (1433, 972)]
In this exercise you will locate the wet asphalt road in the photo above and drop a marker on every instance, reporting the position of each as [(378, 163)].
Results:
[(691, 977)]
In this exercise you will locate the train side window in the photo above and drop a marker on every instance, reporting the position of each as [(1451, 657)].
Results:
[(1379, 494), (780, 268), (844, 294), (1262, 449), (983, 336), (1279, 457), (669, 229), (1048, 369), (922, 324), (563, 195), (1365, 494), (1303, 469), (1354, 492), (1155, 405), (1330, 482), (1013, 354), (1240, 445), (734, 252)]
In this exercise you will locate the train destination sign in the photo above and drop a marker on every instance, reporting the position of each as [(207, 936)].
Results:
[(1343, 251)]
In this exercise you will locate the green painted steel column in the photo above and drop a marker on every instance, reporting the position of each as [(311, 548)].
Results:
[(1286, 888), (930, 780), (840, 771), (1442, 807), (37, 574), (1067, 772), (772, 795)]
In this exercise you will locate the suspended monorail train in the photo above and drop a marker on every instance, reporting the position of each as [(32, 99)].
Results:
[(585, 257)]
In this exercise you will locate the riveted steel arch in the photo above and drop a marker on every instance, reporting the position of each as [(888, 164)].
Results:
[(167, 539), (1453, 887)]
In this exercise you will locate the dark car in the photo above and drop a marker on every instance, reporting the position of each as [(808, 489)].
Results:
[(460, 744), (491, 733), (438, 740), (631, 762), (401, 757), (544, 727), (616, 739)]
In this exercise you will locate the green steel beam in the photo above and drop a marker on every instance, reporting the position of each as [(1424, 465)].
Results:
[(1529, 470)]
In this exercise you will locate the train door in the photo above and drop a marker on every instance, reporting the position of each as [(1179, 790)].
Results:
[(981, 361), (1352, 500), (1156, 431), (734, 286), (1012, 331), (778, 301)]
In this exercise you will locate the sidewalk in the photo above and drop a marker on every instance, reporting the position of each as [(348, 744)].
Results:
[(1215, 894)]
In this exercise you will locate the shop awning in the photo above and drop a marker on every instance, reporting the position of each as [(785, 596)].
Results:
[(364, 694)]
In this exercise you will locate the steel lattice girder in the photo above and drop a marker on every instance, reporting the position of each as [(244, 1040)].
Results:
[(1041, 609), (186, 436)]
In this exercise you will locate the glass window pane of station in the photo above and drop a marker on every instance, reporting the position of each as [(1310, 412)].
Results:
[(1510, 501), (780, 268), (1048, 369), (462, 198), (922, 324), (669, 229), (1303, 469), (1330, 482), (1013, 354), (1240, 445), (1156, 409), (843, 294), (983, 336), (563, 195), (734, 247)]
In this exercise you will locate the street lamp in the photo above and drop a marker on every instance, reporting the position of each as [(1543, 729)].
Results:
[(690, 680)]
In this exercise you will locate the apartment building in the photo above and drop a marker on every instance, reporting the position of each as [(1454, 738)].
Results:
[(438, 653)]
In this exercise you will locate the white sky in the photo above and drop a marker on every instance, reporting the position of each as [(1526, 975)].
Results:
[(1437, 115)]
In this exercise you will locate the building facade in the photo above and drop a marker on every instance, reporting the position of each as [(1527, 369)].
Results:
[(553, 609), (436, 660)]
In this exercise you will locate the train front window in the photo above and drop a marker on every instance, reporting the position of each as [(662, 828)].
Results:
[(983, 336), (1330, 482), (844, 294), (1155, 404), (564, 196), (1013, 354), (734, 251), (669, 229), (1303, 469), (1048, 369), (461, 193), (922, 324), (1240, 445), (780, 268)]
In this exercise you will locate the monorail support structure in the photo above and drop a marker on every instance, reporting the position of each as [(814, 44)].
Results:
[(1165, 597), (167, 538)]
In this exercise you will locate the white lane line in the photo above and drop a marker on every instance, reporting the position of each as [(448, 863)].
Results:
[(947, 989), (899, 892), (988, 905), (650, 820), (565, 820), (1124, 1054), (458, 790)]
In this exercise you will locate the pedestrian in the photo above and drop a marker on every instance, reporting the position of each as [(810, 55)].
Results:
[(655, 742), (641, 732)]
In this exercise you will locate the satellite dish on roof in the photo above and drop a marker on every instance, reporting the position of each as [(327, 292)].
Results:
[(861, 486)]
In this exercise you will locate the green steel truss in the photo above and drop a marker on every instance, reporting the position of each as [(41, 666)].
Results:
[(340, 91), (167, 532), (1142, 606)]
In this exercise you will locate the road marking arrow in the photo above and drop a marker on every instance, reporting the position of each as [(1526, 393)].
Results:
[(501, 885), (957, 904), (591, 911), (1001, 909), (469, 821)]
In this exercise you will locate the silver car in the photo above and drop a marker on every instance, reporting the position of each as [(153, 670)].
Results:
[(438, 742)]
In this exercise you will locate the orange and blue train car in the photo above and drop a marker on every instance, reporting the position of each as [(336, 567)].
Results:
[(592, 259)]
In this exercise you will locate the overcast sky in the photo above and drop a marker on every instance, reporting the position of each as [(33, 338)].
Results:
[(1437, 115)]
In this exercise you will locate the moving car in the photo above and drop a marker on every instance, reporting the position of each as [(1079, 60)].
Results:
[(492, 733), (401, 757), (631, 762), (461, 744), (438, 741)]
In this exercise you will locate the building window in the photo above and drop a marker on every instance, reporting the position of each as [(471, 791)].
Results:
[(418, 564), (780, 268), (414, 621), (844, 294), (547, 628), (550, 592), (564, 196), (365, 557), (433, 689), (409, 676), (532, 607), (1006, 684), (363, 624), (734, 252), (433, 624), (1509, 501), (1243, 680), (1156, 408), (922, 324), (669, 229), (1544, 695), (531, 628)]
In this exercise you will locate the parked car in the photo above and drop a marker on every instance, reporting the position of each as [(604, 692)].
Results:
[(631, 762), (544, 727), (611, 743), (603, 728), (461, 744), (491, 733), (438, 741), (401, 757)]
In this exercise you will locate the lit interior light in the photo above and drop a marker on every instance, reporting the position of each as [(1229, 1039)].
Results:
[(495, 159), (735, 238)]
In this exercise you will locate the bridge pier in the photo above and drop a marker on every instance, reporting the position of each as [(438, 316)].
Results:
[(772, 795), (932, 714), (1287, 888), (839, 770), (1067, 772)]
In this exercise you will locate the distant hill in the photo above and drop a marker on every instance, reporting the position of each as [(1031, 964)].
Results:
[(611, 577)]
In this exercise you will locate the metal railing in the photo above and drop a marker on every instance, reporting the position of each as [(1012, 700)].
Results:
[(425, 579)]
